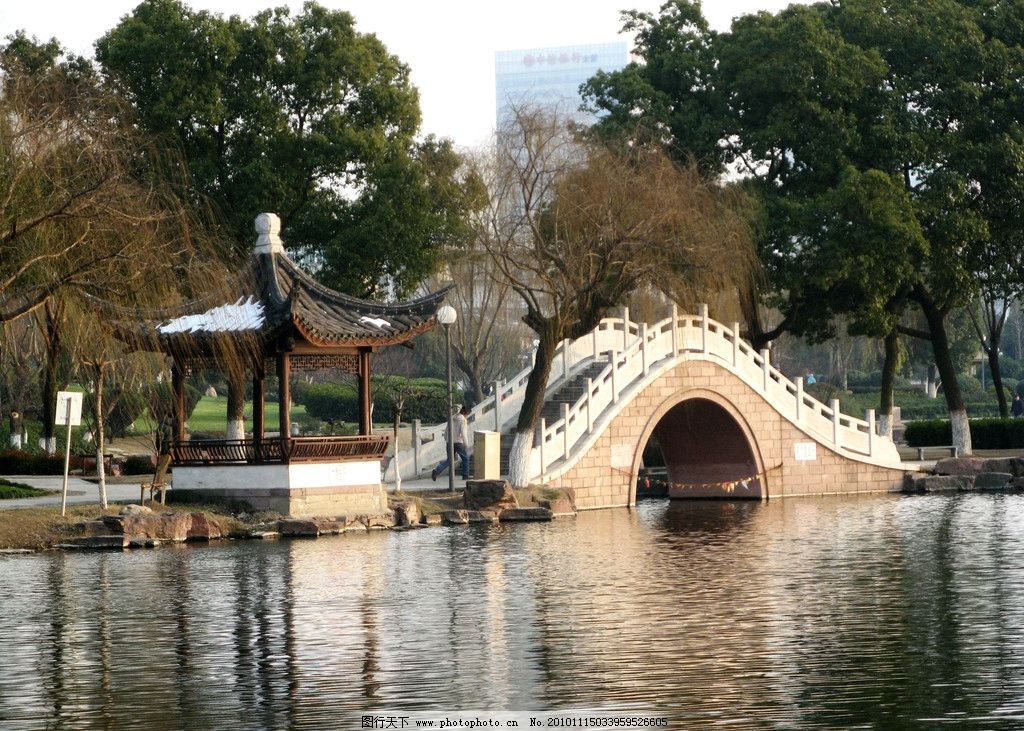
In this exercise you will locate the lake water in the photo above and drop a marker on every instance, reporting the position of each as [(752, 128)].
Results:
[(886, 612)]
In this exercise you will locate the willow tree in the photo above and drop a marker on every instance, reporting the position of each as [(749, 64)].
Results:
[(583, 225)]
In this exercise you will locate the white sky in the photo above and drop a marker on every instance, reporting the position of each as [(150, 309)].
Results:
[(448, 44)]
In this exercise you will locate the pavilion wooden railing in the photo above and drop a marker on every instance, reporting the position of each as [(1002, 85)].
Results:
[(279, 451)]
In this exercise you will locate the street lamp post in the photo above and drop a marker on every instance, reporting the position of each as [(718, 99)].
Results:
[(446, 315)]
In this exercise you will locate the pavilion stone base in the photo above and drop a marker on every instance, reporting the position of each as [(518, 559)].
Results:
[(300, 490)]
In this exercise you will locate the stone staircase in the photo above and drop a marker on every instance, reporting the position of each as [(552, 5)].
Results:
[(569, 393)]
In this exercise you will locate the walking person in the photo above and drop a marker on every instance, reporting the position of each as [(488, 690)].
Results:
[(460, 434), (1017, 408)]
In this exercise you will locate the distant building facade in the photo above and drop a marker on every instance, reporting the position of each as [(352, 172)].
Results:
[(551, 77)]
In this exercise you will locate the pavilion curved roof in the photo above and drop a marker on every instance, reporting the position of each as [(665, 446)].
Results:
[(272, 295)]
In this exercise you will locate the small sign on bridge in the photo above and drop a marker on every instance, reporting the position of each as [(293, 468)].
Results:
[(805, 451)]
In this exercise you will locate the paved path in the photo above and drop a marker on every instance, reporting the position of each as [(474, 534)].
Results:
[(80, 492)]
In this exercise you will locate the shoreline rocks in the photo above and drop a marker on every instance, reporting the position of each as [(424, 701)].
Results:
[(969, 474)]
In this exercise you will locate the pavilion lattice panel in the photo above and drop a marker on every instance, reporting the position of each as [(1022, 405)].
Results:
[(322, 361)]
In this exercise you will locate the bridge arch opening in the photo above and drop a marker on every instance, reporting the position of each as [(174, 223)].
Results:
[(708, 451)]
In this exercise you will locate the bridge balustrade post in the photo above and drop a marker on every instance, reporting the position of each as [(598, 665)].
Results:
[(869, 417), (675, 329), (735, 344), (766, 367), (565, 430), (615, 377), (702, 310), (625, 328), (799, 381), (566, 347), (498, 385), (590, 415), (415, 450), (597, 347), (543, 433), (835, 421), (644, 360)]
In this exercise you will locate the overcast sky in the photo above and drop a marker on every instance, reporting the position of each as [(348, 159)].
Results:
[(448, 44)]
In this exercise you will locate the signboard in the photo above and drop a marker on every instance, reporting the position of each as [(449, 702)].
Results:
[(64, 399), (805, 451)]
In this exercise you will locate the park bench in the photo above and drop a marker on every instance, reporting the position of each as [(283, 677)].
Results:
[(953, 451), (159, 481)]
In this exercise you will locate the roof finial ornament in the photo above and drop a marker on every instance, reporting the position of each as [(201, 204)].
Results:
[(268, 226)]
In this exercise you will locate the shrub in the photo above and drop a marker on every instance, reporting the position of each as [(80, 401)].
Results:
[(985, 433), (137, 465), (332, 403), (17, 462)]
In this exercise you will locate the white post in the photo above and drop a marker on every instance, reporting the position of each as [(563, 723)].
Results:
[(870, 419), (766, 366), (566, 346), (703, 312), (415, 450), (675, 329), (735, 344), (543, 434), (799, 398), (498, 385), (615, 377), (597, 349), (835, 422), (565, 430), (67, 465), (590, 415), (643, 348), (625, 328)]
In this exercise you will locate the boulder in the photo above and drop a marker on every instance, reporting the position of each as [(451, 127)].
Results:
[(455, 517), (380, 522), (98, 542), (525, 514), (489, 495), (482, 516), (163, 526), (560, 506), (433, 519), (407, 512), (295, 528), (992, 481), (265, 535), (143, 543), (938, 483), (1013, 465), (959, 466), (331, 526), (94, 528), (136, 510), (203, 529)]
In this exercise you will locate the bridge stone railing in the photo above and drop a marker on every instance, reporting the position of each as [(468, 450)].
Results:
[(636, 354)]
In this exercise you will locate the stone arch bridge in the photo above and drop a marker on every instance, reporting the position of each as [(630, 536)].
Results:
[(729, 424)]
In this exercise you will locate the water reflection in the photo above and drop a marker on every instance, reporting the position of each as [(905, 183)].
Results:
[(882, 611)]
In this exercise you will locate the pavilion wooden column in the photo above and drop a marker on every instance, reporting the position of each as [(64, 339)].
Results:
[(258, 404), (365, 397), (178, 394), (284, 390)]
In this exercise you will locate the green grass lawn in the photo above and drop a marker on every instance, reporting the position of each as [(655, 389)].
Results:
[(12, 490), (210, 415)]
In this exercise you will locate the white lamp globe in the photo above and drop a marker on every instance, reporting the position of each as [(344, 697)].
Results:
[(446, 315)]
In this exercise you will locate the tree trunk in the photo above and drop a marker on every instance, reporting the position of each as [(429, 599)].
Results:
[(236, 406), (888, 381), (48, 443), (997, 379), (933, 382), (476, 385), (529, 415), (947, 372), (101, 471), (14, 421), (398, 470)]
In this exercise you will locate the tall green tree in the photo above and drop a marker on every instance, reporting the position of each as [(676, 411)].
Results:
[(298, 114), (918, 91)]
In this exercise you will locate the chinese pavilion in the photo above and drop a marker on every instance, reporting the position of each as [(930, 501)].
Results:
[(273, 314)]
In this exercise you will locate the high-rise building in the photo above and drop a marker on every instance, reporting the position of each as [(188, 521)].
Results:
[(551, 77)]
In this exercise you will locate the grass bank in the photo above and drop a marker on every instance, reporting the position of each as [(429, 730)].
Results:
[(13, 490)]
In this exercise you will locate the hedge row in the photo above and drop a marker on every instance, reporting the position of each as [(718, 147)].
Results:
[(424, 399), (985, 433), (17, 462)]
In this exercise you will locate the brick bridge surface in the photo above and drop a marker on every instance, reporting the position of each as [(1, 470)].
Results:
[(606, 475)]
